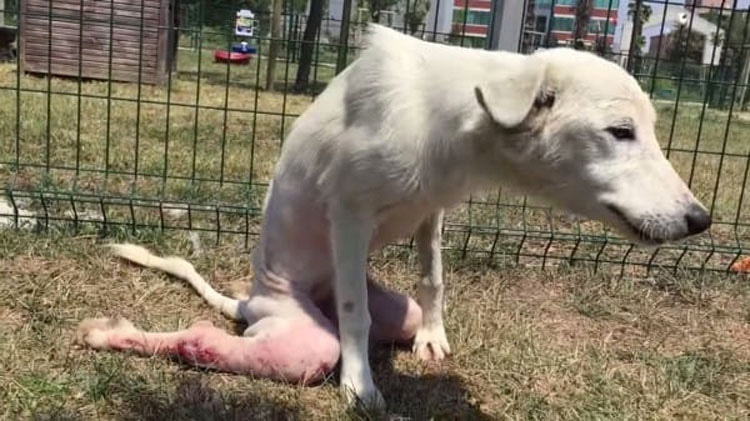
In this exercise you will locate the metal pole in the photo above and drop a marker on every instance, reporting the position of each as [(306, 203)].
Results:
[(506, 24), (344, 37)]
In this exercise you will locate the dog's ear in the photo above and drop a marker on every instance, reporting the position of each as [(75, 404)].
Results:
[(509, 97)]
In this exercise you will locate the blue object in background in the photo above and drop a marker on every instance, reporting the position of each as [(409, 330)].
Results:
[(243, 47)]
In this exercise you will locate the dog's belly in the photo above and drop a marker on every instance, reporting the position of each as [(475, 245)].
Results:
[(300, 249), (297, 244), (399, 222)]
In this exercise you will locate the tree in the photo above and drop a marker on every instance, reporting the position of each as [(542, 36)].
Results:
[(682, 46), (639, 13), (295, 9), (221, 14), (735, 58), (308, 45), (583, 17), (299, 6), (275, 46), (644, 14), (416, 15)]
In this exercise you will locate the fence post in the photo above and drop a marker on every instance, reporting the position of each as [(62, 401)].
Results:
[(505, 26), (346, 15)]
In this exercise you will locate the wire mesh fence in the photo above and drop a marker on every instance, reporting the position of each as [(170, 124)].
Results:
[(117, 114)]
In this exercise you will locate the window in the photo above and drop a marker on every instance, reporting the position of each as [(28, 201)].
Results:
[(468, 41), (605, 4), (597, 26), (598, 4), (541, 24), (563, 24), (479, 17), (458, 15), (473, 17)]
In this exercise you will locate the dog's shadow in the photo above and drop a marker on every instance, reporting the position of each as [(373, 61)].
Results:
[(194, 399), (421, 396)]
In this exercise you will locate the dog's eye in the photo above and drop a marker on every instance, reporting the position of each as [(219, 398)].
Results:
[(545, 100), (621, 132)]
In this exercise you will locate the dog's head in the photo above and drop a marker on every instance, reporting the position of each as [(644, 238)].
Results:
[(578, 130)]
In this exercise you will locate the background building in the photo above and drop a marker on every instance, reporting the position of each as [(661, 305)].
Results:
[(556, 19), (726, 4), (471, 20)]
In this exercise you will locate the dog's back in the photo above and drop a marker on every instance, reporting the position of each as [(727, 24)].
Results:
[(399, 97), (363, 139)]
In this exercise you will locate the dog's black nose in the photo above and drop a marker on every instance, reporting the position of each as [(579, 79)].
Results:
[(698, 220)]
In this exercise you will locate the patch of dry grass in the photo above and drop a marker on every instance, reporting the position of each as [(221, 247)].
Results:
[(212, 132), (557, 344)]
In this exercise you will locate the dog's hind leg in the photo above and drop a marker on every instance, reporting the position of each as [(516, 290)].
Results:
[(295, 349), (395, 317)]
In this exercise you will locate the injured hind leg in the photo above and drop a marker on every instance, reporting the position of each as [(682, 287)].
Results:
[(395, 317), (299, 350)]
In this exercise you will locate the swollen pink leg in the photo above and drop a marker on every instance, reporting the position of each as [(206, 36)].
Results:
[(395, 317), (299, 350)]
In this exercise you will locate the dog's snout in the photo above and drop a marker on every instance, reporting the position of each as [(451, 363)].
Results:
[(698, 220)]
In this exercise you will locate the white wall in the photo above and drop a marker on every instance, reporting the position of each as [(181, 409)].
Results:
[(443, 10)]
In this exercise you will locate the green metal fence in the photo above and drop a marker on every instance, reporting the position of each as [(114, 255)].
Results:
[(196, 150)]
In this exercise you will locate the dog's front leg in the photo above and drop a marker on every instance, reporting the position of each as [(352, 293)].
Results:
[(350, 235), (430, 342)]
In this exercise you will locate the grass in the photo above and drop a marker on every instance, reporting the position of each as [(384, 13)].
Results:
[(528, 344)]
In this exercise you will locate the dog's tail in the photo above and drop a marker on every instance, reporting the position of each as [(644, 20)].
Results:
[(182, 269)]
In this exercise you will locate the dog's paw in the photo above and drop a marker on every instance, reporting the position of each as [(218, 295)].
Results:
[(95, 333), (362, 395), (431, 344)]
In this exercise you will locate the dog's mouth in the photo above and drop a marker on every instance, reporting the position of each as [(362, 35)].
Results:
[(644, 237)]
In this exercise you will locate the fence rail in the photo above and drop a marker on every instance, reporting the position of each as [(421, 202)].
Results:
[(196, 152)]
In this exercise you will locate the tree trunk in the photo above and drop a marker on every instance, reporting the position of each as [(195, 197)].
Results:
[(583, 17), (308, 45), (744, 77), (635, 36), (273, 50)]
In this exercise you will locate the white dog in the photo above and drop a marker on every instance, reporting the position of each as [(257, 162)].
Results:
[(408, 130)]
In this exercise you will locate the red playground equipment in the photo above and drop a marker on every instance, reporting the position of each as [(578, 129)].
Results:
[(224, 56), (239, 53)]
